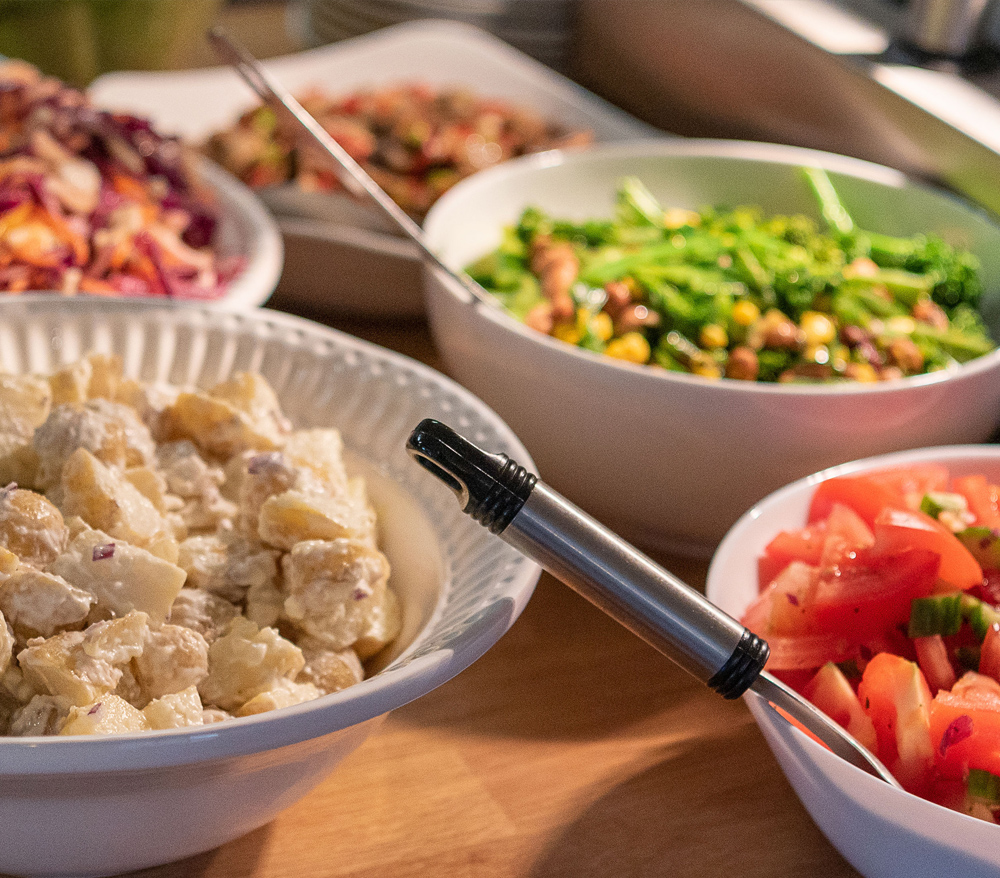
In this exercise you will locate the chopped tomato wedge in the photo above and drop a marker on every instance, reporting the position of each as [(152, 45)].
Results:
[(910, 483), (872, 594), (846, 533), (806, 652), (805, 544), (989, 654), (897, 529), (867, 494), (864, 597), (965, 729), (832, 693), (860, 493), (894, 694)]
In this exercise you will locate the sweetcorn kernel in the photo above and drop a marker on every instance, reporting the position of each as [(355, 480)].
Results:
[(817, 328), (713, 336), (863, 372), (706, 368), (602, 325), (632, 347), (745, 313), (567, 332)]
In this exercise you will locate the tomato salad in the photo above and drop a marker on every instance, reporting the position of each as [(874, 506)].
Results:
[(883, 611)]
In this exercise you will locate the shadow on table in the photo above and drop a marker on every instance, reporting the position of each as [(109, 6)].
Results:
[(565, 671), (697, 816), (236, 859)]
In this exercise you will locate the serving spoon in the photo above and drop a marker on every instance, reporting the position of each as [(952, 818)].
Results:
[(524, 512), (352, 176), (668, 614)]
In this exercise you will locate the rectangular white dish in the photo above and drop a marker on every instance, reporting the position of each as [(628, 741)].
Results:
[(332, 243)]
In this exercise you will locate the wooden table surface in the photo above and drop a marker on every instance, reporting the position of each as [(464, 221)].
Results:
[(571, 749)]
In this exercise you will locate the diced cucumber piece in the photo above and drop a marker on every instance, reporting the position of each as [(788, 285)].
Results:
[(979, 614), (983, 786), (937, 614), (936, 502)]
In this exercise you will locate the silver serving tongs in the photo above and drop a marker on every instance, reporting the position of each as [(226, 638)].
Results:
[(351, 175), (631, 588)]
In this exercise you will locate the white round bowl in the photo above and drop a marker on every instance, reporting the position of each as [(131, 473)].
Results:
[(882, 831), (671, 460), (246, 229), (84, 806)]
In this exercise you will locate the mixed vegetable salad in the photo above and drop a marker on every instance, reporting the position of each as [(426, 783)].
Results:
[(884, 611), (99, 203), (414, 140), (735, 294)]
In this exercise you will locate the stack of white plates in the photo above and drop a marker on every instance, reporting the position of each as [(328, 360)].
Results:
[(539, 28)]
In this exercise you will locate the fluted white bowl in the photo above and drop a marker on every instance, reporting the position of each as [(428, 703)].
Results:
[(88, 806)]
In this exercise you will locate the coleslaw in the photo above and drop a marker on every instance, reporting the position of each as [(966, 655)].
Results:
[(94, 202)]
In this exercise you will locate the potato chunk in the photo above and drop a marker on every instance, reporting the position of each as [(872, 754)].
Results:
[(173, 658), (247, 661), (25, 402), (42, 715), (284, 694), (39, 604), (230, 417), (176, 710), (107, 502), (197, 483), (227, 565), (202, 611), (333, 588), (330, 670), (31, 526), (110, 431), (84, 665), (295, 516), (109, 715), (121, 577), (96, 375), (6, 645)]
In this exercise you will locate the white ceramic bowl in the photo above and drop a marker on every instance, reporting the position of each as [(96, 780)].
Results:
[(103, 805), (882, 831), (671, 460), (248, 230)]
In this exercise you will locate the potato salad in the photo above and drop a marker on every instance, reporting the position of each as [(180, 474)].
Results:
[(173, 557)]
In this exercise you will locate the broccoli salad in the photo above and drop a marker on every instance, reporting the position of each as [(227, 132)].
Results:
[(732, 293)]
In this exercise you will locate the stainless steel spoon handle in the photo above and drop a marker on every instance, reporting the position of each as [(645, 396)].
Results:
[(668, 614), (665, 612)]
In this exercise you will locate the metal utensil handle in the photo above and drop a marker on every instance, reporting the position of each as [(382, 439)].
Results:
[(665, 612), (354, 178)]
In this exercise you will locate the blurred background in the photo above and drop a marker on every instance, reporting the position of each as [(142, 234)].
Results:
[(913, 84)]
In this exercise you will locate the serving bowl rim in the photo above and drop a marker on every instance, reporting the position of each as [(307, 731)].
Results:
[(401, 681), (750, 151)]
